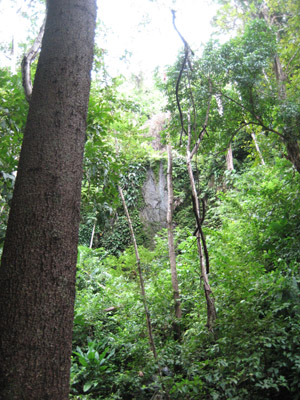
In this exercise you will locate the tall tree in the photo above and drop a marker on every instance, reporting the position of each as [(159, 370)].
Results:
[(142, 284), (37, 275), (190, 129), (201, 242)]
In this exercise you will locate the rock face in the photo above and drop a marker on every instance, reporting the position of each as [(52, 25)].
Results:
[(154, 190), (155, 194)]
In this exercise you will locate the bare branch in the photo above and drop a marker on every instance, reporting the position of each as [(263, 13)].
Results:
[(186, 59), (177, 96), (28, 58), (186, 45)]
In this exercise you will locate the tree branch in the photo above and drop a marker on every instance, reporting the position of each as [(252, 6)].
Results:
[(259, 123), (28, 58), (177, 96), (186, 45), (186, 59)]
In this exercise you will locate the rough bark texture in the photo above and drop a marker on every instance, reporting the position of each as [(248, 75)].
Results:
[(172, 255), (37, 275)]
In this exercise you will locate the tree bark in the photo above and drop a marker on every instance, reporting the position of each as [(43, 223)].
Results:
[(293, 152), (37, 274), (229, 159), (172, 255)]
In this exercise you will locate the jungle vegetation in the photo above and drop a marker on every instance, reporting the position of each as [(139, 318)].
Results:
[(230, 329)]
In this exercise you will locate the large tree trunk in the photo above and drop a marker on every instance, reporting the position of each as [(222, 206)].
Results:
[(37, 275)]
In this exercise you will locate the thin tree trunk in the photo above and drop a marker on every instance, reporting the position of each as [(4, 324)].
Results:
[(37, 274), (143, 292), (280, 77), (92, 235), (229, 159), (172, 255), (290, 136), (142, 285), (211, 310), (28, 59), (258, 149)]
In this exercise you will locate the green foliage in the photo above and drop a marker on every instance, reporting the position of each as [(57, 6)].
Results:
[(251, 226), (264, 208), (115, 146), (246, 56), (102, 285), (117, 237), (254, 351), (256, 348), (13, 111), (131, 184), (90, 367)]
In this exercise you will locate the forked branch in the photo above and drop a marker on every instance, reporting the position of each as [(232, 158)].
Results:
[(28, 59)]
